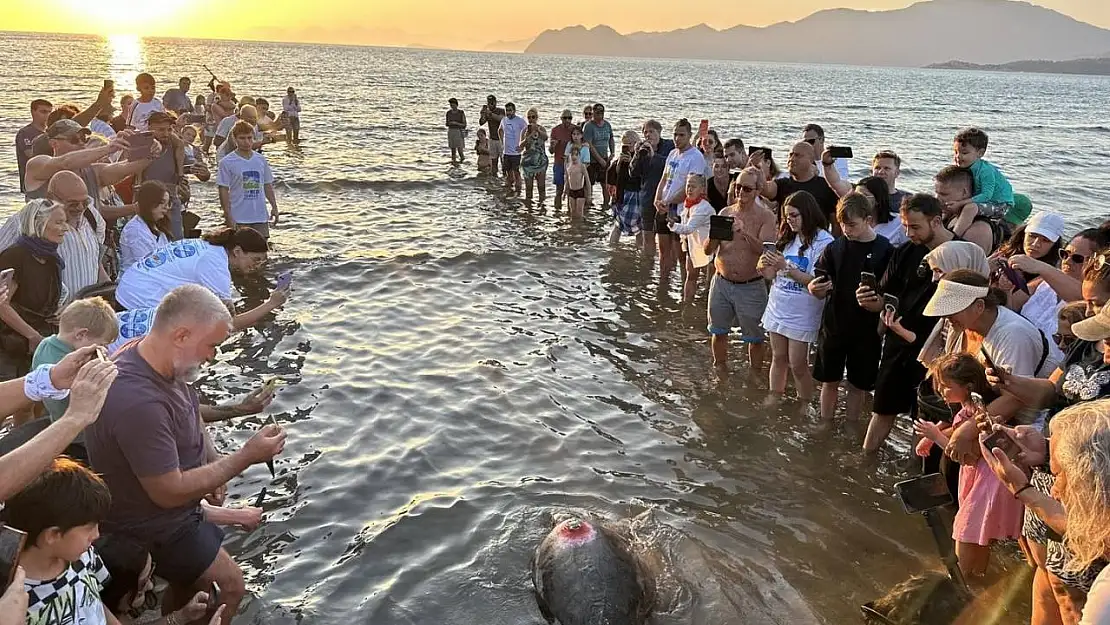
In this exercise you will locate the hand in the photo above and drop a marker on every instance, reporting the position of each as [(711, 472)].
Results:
[(218, 615), (826, 158), (65, 372), (265, 444), (13, 603), (755, 159), (1013, 476), (33, 343), (119, 142), (248, 517), (90, 389), (868, 299), (1021, 262), (928, 429), (923, 448), (777, 260), (277, 298), (891, 320), (257, 401), (1001, 380), (195, 609), (660, 207), (963, 444), (1003, 282), (274, 215), (1034, 446), (106, 96), (218, 496), (820, 287)]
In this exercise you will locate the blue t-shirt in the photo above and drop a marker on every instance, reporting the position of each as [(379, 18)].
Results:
[(599, 136)]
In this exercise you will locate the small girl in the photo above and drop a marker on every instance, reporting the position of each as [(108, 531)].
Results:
[(481, 146), (577, 182), (987, 510)]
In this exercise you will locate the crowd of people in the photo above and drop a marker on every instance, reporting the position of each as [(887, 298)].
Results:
[(111, 302), (961, 309)]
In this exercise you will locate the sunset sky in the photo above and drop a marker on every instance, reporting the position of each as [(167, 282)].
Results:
[(440, 23)]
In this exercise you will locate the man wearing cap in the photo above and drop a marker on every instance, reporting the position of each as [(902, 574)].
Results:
[(67, 141), (598, 133), (291, 107), (980, 324), (952, 185), (456, 124), (492, 115), (560, 137)]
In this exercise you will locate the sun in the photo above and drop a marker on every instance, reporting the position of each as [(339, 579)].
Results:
[(114, 17)]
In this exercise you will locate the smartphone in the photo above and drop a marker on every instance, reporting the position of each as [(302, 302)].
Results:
[(766, 151), (141, 143), (890, 303), (923, 493), (11, 545), (1000, 439), (840, 152), (999, 372), (213, 597), (820, 274), (868, 279), (283, 281), (720, 227), (703, 129), (7, 276), (1014, 277), (769, 247)]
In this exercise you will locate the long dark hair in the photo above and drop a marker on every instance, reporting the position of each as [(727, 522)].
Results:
[(247, 239), (878, 187), (813, 221), (148, 197), (1016, 245)]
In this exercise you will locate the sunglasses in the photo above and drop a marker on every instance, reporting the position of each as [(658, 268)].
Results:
[(567, 118), (1077, 259), (1064, 341), (746, 189), (811, 141)]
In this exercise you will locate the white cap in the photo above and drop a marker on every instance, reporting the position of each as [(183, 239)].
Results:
[(1048, 225)]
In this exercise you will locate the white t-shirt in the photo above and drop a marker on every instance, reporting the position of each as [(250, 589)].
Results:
[(841, 168), (513, 127), (245, 179), (694, 230), (189, 261), (1040, 309), (1097, 609), (679, 166), (136, 241), (133, 324), (893, 230), (102, 128), (140, 112), (791, 310)]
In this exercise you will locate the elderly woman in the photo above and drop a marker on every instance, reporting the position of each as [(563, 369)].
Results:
[(36, 285), (627, 214), (1078, 506), (534, 159)]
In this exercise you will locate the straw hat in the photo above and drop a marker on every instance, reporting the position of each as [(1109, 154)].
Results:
[(953, 297), (1096, 328)]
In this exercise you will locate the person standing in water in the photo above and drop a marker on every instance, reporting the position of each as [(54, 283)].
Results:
[(456, 124), (291, 106)]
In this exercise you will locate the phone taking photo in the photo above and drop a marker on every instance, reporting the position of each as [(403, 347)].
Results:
[(1000, 439), (721, 227), (7, 277), (999, 372), (766, 151), (769, 247), (923, 493), (868, 279), (703, 129), (283, 281), (12, 542), (836, 151)]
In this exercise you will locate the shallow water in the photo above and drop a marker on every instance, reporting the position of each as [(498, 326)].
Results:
[(459, 366)]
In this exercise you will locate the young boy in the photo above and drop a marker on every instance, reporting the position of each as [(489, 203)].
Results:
[(84, 322), (481, 148), (244, 176), (60, 512), (993, 196), (849, 334)]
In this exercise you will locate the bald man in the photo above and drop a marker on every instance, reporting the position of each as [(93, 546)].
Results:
[(803, 177), (80, 249), (67, 142)]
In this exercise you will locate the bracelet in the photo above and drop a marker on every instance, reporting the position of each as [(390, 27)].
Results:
[(173, 619), (1018, 492), (37, 385)]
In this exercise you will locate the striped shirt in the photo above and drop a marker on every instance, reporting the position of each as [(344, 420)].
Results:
[(81, 250)]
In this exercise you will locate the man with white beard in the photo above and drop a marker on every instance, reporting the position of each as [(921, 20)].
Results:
[(151, 447)]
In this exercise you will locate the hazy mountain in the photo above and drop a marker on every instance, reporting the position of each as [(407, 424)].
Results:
[(508, 46), (935, 31), (1099, 66)]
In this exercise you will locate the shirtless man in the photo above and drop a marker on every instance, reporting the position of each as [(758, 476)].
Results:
[(953, 184), (738, 293)]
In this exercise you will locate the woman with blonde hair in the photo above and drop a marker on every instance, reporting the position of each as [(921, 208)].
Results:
[(627, 214), (533, 160)]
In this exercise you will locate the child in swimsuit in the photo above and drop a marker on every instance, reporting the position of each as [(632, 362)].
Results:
[(577, 182), (481, 146)]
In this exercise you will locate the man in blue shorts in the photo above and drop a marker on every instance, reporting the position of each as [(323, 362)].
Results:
[(152, 449), (560, 137)]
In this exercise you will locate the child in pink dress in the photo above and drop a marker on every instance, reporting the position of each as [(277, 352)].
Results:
[(987, 511)]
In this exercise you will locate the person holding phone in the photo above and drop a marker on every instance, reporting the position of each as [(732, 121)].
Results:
[(683, 160), (803, 177), (693, 230), (533, 160), (793, 315), (1041, 239), (649, 162), (738, 292), (814, 135)]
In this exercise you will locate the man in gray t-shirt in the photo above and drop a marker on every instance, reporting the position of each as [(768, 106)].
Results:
[(152, 450), (25, 138)]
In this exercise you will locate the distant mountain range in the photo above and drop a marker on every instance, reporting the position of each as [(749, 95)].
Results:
[(983, 31), (1097, 67)]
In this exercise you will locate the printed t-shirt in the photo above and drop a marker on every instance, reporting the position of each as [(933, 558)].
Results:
[(133, 324), (245, 179), (680, 165), (71, 598), (189, 261), (599, 136), (790, 302)]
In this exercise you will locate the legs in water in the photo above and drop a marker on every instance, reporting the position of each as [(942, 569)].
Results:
[(877, 431)]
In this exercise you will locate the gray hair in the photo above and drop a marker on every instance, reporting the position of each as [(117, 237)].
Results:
[(1081, 441), (190, 304), (34, 216)]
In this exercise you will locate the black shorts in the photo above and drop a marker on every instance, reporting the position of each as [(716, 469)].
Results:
[(858, 354), (187, 554), (900, 373), (576, 194), (510, 162), (596, 172)]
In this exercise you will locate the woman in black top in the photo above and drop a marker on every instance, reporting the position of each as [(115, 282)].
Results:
[(626, 205), (717, 187), (36, 288)]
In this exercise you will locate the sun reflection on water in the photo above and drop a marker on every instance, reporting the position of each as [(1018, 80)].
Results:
[(126, 56)]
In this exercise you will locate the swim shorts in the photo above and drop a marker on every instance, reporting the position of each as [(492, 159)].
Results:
[(576, 194), (560, 171), (596, 172), (734, 304), (187, 553), (859, 354), (510, 162), (896, 384)]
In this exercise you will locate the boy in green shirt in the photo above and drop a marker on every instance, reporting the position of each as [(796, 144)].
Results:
[(84, 322)]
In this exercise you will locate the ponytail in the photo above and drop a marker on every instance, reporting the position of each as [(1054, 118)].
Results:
[(247, 239)]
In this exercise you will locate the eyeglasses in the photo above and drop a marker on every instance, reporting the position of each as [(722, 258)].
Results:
[(1064, 340), (81, 204), (1077, 259), (811, 141)]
